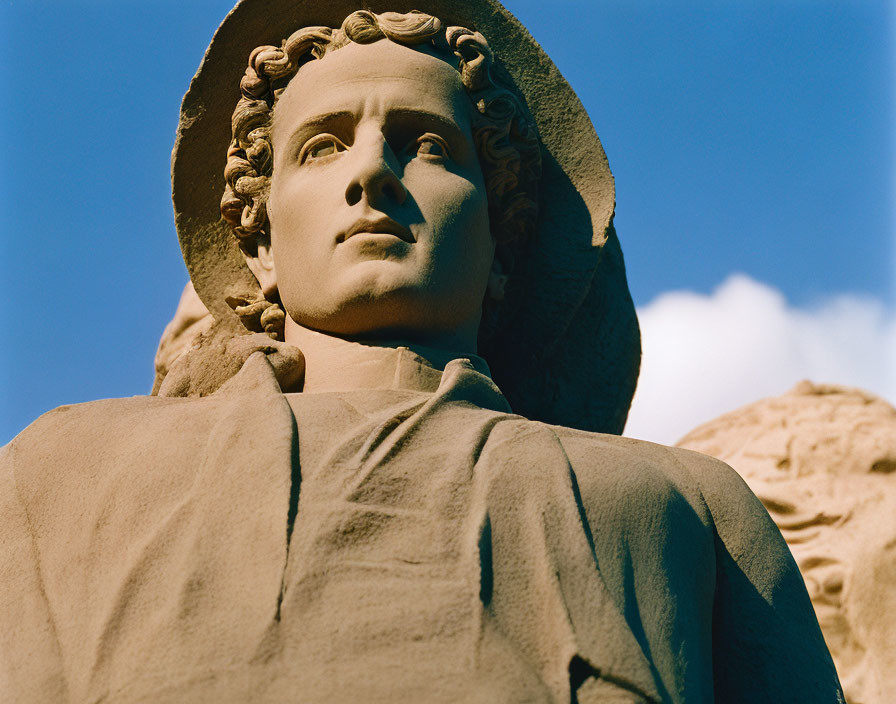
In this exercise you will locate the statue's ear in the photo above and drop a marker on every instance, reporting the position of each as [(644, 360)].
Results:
[(497, 281), (262, 265)]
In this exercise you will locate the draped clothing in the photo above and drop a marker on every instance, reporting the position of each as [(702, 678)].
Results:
[(417, 542)]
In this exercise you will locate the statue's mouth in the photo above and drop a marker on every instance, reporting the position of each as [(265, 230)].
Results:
[(380, 226)]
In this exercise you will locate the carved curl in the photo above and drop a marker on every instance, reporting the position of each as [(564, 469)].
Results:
[(505, 138)]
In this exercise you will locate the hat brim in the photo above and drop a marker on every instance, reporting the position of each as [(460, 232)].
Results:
[(569, 353)]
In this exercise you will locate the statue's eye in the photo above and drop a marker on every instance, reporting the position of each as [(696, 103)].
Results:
[(432, 146), (322, 146), (322, 149)]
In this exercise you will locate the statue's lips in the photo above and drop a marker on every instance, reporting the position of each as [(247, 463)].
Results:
[(381, 226)]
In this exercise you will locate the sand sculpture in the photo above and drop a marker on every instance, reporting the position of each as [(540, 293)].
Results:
[(329, 498), (823, 461)]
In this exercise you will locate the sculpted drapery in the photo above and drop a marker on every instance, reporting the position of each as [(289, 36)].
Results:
[(411, 541)]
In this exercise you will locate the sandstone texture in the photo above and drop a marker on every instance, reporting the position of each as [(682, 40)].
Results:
[(822, 459), (402, 535)]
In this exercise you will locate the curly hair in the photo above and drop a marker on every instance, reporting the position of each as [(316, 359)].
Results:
[(505, 137)]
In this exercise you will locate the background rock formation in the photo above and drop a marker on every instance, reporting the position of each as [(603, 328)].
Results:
[(822, 459), (191, 319)]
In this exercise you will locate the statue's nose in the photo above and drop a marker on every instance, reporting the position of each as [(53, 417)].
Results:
[(376, 176)]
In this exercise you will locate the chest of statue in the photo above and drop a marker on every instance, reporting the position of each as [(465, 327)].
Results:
[(348, 546), (345, 546)]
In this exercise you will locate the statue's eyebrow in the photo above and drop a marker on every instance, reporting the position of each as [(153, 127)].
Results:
[(318, 123), (397, 117), (408, 119), (434, 118)]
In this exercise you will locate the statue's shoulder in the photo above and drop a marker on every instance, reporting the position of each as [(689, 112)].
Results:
[(86, 438), (586, 444), (599, 460), (70, 425), (64, 419), (598, 454)]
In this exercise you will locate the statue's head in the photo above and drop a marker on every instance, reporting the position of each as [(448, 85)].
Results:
[(380, 181), (456, 145)]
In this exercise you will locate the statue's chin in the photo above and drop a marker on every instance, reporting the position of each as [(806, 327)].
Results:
[(382, 301)]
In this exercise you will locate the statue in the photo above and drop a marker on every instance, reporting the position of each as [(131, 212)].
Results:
[(329, 498), (822, 460)]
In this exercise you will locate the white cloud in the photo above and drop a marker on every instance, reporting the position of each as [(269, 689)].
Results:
[(706, 355)]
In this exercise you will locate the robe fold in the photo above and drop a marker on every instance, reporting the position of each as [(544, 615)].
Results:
[(412, 543)]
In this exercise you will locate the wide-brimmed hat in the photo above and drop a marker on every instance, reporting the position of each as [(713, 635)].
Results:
[(569, 349)]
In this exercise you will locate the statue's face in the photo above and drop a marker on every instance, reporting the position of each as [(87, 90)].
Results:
[(377, 209)]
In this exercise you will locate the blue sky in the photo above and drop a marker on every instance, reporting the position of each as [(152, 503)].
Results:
[(750, 136)]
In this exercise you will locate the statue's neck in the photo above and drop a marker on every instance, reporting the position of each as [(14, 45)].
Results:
[(335, 364)]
